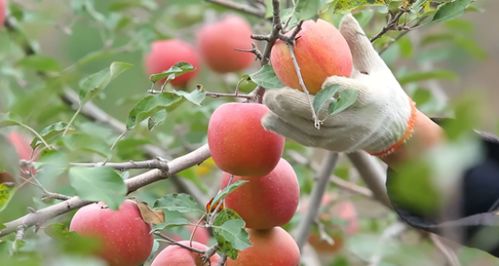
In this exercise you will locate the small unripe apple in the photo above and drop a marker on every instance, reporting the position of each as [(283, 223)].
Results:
[(125, 237), (268, 248), (238, 142), (166, 53), (3, 11), (175, 255), (321, 51), (218, 43), (265, 201)]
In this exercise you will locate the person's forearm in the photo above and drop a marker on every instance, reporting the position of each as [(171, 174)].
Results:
[(426, 135)]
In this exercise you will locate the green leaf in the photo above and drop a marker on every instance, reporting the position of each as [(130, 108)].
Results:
[(49, 133), (307, 9), (39, 63), (228, 230), (196, 96), (6, 120), (97, 82), (420, 76), (451, 10), (150, 105), (346, 99), (173, 72), (80, 142), (6, 193), (179, 202), (324, 95), (348, 5), (227, 190), (98, 184), (266, 77)]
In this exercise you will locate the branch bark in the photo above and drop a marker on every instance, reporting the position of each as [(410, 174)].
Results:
[(303, 230), (176, 165)]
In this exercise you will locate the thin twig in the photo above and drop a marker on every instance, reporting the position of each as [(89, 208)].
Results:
[(239, 7), (446, 251), (174, 166), (317, 122), (123, 166), (173, 242), (224, 94), (303, 230), (274, 35), (222, 260)]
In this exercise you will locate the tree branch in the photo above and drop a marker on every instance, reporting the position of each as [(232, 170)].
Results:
[(372, 174), (239, 7), (122, 166), (303, 230), (174, 166)]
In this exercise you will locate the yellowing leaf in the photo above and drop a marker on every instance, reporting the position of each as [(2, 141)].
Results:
[(149, 215)]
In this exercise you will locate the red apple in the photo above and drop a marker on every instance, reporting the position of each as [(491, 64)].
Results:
[(321, 51), (239, 144), (274, 247), (21, 144), (125, 237), (218, 43), (3, 11), (175, 255), (166, 53), (265, 201)]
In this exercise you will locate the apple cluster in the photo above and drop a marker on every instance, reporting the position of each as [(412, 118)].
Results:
[(220, 46), (244, 150)]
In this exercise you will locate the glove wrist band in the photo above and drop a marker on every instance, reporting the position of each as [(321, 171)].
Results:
[(405, 136)]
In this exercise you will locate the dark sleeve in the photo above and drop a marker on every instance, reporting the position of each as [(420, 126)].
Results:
[(476, 222)]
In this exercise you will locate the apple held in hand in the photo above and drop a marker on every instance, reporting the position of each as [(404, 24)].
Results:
[(238, 142), (273, 247), (218, 43), (125, 237), (266, 201), (175, 255), (166, 53), (321, 51)]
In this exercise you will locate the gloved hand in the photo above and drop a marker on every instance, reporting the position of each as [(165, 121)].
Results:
[(379, 122)]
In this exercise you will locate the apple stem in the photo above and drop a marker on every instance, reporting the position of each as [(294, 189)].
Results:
[(317, 121)]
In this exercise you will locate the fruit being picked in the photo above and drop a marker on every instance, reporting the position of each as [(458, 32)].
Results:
[(321, 51)]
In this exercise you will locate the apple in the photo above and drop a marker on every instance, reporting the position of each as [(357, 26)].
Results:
[(125, 237), (265, 201), (268, 248), (321, 51), (238, 142), (166, 53), (218, 43), (21, 145), (175, 255), (3, 11)]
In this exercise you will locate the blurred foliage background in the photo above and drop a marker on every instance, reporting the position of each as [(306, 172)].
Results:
[(441, 64)]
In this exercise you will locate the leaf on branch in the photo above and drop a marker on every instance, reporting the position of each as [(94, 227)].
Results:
[(306, 9), (348, 5), (150, 105), (150, 215), (179, 202), (421, 76), (49, 133), (228, 230), (196, 96), (39, 63), (6, 193), (227, 190), (266, 77), (172, 73), (451, 10), (324, 95), (98, 184), (92, 85), (345, 99)]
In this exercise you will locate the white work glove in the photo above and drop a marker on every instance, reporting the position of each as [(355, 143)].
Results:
[(380, 120)]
